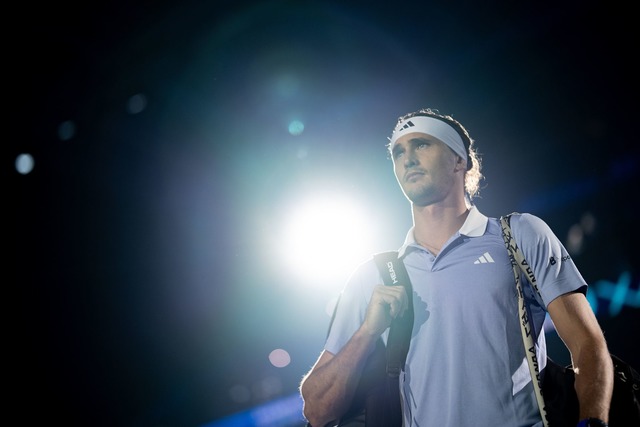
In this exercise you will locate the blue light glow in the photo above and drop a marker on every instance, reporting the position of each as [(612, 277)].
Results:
[(278, 413), (617, 293)]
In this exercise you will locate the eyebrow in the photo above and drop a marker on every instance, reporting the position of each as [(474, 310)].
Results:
[(418, 139), (397, 149)]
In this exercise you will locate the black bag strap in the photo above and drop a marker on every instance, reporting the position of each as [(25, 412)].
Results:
[(394, 273), (383, 406)]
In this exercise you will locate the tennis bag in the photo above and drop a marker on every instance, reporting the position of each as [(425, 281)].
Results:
[(561, 401)]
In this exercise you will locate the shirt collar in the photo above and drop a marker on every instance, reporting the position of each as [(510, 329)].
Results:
[(474, 226)]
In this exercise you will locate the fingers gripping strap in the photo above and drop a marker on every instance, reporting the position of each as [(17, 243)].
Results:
[(518, 263), (394, 273)]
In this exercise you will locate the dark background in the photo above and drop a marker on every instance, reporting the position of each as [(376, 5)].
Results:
[(141, 284)]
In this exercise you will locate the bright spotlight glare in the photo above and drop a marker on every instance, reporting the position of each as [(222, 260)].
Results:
[(326, 239)]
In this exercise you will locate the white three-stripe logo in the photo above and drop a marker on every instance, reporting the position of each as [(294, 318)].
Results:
[(485, 258), (408, 125)]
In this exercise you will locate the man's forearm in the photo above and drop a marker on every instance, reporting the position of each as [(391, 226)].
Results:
[(328, 388), (594, 382)]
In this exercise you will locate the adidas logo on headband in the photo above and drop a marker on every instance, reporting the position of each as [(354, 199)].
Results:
[(407, 125), (431, 126)]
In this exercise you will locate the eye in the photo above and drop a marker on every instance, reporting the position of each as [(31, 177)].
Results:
[(398, 154), (422, 145)]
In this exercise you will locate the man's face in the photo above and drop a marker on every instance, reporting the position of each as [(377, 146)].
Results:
[(425, 168)]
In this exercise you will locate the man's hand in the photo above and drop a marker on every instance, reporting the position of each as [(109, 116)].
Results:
[(387, 303)]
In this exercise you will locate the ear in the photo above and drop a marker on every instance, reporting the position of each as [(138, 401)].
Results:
[(461, 165)]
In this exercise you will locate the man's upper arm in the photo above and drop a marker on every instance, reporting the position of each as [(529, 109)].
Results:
[(574, 320)]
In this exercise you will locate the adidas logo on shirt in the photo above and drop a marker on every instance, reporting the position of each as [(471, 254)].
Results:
[(484, 259)]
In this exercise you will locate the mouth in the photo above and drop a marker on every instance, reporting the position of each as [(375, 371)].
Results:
[(410, 176)]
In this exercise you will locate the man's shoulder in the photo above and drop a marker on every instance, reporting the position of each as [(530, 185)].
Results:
[(366, 270), (527, 222), (529, 228)]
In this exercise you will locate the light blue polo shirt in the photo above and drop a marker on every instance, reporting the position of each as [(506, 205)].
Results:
[(466, 364)]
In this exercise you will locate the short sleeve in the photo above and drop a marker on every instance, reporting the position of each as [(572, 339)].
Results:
[(352, 306), (556, 273)]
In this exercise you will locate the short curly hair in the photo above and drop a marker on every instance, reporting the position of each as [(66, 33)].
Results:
[(473, 176)]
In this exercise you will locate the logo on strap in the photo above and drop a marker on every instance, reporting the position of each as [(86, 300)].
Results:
[(392, 272)]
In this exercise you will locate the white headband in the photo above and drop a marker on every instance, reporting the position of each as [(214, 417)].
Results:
[(430, 126)]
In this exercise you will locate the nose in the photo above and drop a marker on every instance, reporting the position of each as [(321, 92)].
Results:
[(410, 159)]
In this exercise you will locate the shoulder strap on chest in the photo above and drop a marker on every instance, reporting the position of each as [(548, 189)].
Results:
[(519, 263), (394, 273)]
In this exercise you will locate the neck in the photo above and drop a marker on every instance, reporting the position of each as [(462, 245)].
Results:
[(435, 224)]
